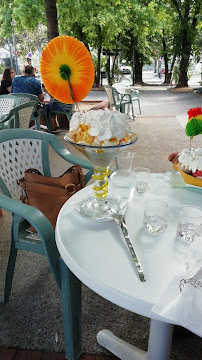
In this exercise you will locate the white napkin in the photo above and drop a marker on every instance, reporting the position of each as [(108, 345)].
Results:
[(181, 302)]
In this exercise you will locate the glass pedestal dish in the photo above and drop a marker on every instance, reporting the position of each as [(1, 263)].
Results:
[(100, 157)]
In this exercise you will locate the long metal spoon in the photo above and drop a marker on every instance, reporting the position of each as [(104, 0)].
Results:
[(120, 220)]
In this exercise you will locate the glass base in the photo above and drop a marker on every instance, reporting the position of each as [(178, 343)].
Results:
[(99, 208)]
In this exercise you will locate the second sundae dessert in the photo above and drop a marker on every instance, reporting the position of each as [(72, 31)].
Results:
[(189, 161)]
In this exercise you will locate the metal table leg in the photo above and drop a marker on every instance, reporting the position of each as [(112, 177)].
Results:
[(160, 340)]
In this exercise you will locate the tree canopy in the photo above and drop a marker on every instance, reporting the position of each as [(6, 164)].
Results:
[(136, 30)]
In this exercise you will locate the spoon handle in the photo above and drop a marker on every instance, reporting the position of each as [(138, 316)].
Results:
[(121, 222)]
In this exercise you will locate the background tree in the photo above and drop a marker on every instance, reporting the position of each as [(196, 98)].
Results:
[(165, 37), (188, 12), (138, 44), (52, 19), (28, 25), (97, 23), (136, 30)]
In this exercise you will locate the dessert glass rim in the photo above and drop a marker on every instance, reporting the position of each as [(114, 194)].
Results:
[(69, 140)]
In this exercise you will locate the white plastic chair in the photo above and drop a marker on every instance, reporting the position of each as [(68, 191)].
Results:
[(128, 89), (6, 105), (120, 101), (23, 98), (19, 116)]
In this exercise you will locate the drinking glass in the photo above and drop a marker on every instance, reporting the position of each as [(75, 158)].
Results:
[(190, 223), (143, 179), (124, 160), (122, 185), (155, 216)]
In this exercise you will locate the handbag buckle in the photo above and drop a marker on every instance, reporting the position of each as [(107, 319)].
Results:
[(72, 188)]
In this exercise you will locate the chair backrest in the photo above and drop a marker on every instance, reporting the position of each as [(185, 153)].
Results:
[(109, 91), (113, 95), (23, 114), (18, 154), (6, 104), (24, 98)]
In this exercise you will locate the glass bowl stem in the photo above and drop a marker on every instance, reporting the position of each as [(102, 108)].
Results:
[(101, 182)]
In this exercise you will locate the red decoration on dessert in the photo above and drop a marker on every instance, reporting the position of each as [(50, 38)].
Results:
[(197, 173), (194, 112)]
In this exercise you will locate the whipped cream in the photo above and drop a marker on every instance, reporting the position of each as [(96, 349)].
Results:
[(190, 159), (105, 126)]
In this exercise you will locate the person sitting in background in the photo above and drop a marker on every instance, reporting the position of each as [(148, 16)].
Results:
[(8, 76), (29, 61), (102, 105), (27, 84)]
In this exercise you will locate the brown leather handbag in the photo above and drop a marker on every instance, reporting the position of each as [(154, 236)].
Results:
[(48, 194)]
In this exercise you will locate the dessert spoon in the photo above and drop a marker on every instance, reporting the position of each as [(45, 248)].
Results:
[(120, 220)]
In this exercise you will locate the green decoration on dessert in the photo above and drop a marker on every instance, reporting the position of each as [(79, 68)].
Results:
[(194, 125)]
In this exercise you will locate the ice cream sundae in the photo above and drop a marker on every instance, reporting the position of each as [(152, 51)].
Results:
[(189, 164), (190, 161), (100, 128)]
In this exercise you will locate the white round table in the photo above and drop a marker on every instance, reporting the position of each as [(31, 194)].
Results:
[(96, 253)]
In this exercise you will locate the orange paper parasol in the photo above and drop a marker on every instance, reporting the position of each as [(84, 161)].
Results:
[(67, 69)]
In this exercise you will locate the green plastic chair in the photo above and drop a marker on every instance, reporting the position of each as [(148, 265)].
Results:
[(120, 100), (23, 98), (53, 109), (19, 116), (19, 150), (6, 105), (135, 94)]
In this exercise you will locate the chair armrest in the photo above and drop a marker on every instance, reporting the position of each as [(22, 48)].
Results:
[(5, 117), (125, 97), (135, 92), (35, 217), (42, 226), (2, 117)]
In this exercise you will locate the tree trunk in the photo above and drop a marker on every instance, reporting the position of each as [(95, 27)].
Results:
[(99, 45), (172, 66), (188, 26), (51, 18), (97, 79), (183, 78), (184, 61), (165, 55), (155, 65), (138, 69), (108, 68), (137, 65), (113, 64)]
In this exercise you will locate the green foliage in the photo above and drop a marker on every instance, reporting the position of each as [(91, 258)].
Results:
[(6, 62), (2, 67), (27, 18), (27, 14), (154, 28)]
